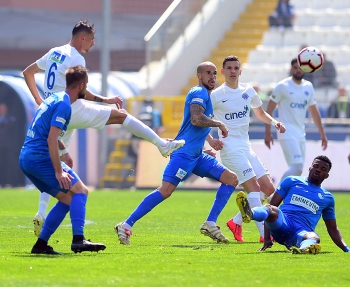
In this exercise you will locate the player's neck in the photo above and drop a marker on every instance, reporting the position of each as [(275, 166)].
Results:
[(75, 45), (298, 82), (233, 85)]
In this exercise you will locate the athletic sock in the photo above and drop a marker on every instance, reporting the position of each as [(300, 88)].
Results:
[(53, 220), (44, 200), (147, 204), (307, 242), (143, 131), (222, 196), (260, 213), (238, 219), (254, 201), (77, 213)]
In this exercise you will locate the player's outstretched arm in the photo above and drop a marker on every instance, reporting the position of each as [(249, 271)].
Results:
[(117, 100), (335, 234), (29, 77), (268, 135), (316, 117), (268, 119)]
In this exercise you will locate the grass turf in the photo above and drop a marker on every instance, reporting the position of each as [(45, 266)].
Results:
[(166, 247)]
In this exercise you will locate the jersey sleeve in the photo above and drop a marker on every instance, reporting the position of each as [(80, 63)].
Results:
[(284, 186), (41, 63), (61, 115), (277, 93), (199, 97), (312, 100), (328, 213), (256, 101)]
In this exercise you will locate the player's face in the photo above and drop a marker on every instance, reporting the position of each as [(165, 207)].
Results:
[(297, 73), (318, 171), (207, 77), (88, 40), (231, 72)]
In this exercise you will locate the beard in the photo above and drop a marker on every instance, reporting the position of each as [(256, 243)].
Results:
[(207, 87), (298, 78), (81, 95)]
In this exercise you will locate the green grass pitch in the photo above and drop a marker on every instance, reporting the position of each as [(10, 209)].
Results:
[(166, 248)]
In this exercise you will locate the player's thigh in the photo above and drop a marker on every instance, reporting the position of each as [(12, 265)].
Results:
[(179, 167), (117, 116), (88, 115), (208, 166), (293, 150), (266, 184), (282, 230), (239, 163), (42, 175)]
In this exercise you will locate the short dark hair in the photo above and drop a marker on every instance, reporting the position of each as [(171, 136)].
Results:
[(83, 26), (293, 61), (325, 159), (230, 58), (75, 76)]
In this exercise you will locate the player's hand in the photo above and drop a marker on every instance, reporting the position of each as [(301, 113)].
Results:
[(67, 160), (224, 130), (280, 127), (64, 180), (117, 100), (210, 152), (349, 157), (268, 140), (267, 244), (216, 144), (324, 142)]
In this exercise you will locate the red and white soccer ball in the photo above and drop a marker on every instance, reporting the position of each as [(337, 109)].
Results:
[(310, 59)]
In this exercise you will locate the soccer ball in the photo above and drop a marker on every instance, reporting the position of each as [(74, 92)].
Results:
[(310, 59)]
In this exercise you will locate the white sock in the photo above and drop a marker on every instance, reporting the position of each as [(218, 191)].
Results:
[(254, 201), (238, 219), (211, 223), (140, 130), (126, 226), (44, 200)]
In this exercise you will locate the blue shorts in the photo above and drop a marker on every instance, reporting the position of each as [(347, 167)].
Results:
[(287, 232), (182, 165), (42, 174)]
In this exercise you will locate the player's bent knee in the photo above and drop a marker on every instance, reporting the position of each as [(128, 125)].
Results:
[(229, 177), (312, 235), (80, 187), (117, 116)]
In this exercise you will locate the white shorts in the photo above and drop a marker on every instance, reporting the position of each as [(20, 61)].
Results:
[(293, 150), (245, 163), (85, 115)]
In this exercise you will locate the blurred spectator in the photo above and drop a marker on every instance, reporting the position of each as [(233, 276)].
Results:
[(326, 77), (340, 108), (283, 16), (263, 96), (7, 146)]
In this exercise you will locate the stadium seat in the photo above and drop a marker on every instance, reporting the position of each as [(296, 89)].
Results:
[(319, 4), (315, 37), (258, 57), (340, 4), (272, 38), (294, 38), (337, 38)]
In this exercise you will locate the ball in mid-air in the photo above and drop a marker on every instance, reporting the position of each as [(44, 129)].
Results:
[(310, 59)]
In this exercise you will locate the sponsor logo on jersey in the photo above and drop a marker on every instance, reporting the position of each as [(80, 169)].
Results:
[(298, 105), (297, 156), (238, 115), (181, 173), (304, 202), (247, 171), (306, 93), (60, 120), (320, 195), (30, 133), (57, 57), (245, 96), (224, 101), (199, 100)]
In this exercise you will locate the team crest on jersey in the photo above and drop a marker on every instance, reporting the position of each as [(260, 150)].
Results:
[(181, 173), (57, 57), (306, 93), (245, 96), (320, 196)]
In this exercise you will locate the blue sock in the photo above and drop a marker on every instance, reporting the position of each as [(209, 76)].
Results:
[(307, 242), (260, 213), (222, 196), (148, 203), (77, 213), (53, 220)]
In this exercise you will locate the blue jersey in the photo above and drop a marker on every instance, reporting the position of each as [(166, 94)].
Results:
[(304, 203), (54, 111), (194, 136)]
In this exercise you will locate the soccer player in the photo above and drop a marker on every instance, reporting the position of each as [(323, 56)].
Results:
[(294, 96), (231, 103), (196, 124), (84, 113), (40, 162), (304, 201)]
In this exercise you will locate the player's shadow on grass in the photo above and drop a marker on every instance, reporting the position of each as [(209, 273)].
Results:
[(47, 256)]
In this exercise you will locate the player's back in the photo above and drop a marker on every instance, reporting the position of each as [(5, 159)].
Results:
[(54, 111), (55, 63)]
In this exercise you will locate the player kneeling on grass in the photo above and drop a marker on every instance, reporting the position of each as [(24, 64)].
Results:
[(40, 162), (304, 201)]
